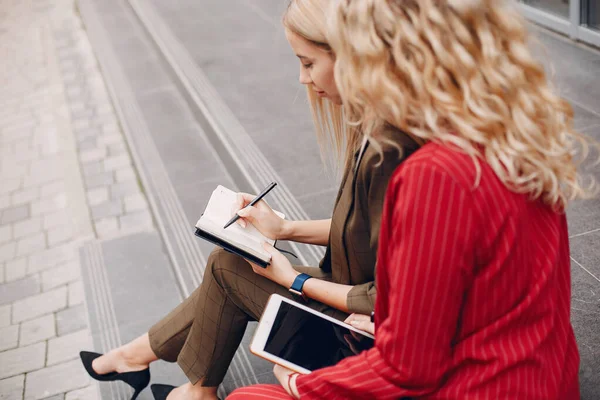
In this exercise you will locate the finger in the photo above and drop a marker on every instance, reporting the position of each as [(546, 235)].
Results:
[(250, 213), (283, 369), (361, 317), (270, 249), (238, 204), (240, 200), (246, 198), (360, 325), (241, 222), (349, 319)]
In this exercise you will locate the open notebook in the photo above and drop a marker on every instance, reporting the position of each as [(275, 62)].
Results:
[(245, 242)]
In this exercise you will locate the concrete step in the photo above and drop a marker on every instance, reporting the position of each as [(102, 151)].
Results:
[(128, 287)]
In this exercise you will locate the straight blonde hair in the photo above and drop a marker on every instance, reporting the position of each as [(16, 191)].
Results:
[(461, 73), (308, 19)]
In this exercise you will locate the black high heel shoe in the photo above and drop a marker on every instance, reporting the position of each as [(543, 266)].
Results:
[(138, 380), (160, 392)]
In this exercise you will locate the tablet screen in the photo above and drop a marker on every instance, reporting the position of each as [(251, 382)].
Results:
[(310, 341)]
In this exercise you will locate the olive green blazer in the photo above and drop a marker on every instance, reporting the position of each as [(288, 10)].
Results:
[(352, 250)]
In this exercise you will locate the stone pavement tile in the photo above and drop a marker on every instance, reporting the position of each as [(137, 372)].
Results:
[(107, 209), (116, 162), (136, 221), (23, 359), (51, 258), (67, 347), (52, 188), (42, 177), (9, 337), (4, 201), (24, 196), (103, 179), (59, 234), (88, 393), (85, 134), (4, 316), (16, 269), (117, 149), (2, 274), (48, 205), (27, 227), (94, 155), (7, 251), (71, 319), (12, 388), (124, 189), (31, 244), (106, 227), (86, 145), (92, 168), (125, 174), (37, 330), (56, 379), (97, 195), (110, 138), (10, 185), (40, 304), (60, 275), (14, 214), (20, 289), (54, 220), (76, 295), (55, 397), (135, 202), (11, 171), (5, 233)]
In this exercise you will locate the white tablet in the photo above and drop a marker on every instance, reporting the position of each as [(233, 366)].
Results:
[(303, 340)]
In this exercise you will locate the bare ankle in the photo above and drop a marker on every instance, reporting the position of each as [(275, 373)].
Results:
[(129, 359)]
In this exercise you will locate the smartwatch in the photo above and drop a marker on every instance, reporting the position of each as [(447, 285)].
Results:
[(298, 284)]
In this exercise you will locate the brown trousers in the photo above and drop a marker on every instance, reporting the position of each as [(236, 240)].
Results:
[(203, 333)]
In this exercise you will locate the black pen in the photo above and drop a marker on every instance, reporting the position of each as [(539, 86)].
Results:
[(253, 202)]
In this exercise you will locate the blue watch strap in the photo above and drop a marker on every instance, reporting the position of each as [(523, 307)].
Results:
[(299, 283)]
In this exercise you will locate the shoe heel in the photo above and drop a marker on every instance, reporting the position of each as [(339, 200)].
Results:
[(136, 393)]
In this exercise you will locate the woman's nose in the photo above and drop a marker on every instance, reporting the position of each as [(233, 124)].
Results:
[(304, 77)]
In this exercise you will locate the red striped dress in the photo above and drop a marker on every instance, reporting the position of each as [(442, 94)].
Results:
[(474, 294)]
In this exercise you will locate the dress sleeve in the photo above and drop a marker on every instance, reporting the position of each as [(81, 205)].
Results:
[(425, 261)]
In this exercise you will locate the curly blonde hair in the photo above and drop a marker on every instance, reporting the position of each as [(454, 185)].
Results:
[(460, 72), (308, 19)]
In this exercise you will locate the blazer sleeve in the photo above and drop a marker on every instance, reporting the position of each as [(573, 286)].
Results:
[(373, 177)]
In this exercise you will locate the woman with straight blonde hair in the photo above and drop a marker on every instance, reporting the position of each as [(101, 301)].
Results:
[(203, 333), (473, 266)]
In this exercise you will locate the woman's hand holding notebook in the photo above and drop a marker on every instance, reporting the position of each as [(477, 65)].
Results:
[(244, 241)]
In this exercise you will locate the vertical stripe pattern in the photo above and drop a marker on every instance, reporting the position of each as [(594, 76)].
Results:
[(473, 289)]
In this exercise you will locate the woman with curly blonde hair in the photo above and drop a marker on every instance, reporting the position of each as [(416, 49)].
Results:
[(473, 265)]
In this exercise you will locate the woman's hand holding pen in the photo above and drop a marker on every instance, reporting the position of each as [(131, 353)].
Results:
[(261, 216), (280, 269)]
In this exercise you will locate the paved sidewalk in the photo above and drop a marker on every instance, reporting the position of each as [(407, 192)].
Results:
[(53, 197)]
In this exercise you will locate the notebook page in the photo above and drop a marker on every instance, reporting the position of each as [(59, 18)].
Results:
[(218, 212)]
